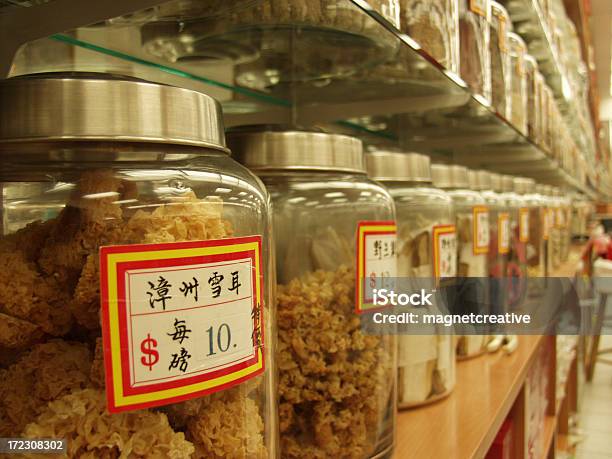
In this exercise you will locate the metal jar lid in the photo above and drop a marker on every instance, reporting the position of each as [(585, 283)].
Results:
[(99, 107), (523, 185), (396, 166), (296, 150), (480, 180), (507, 183), (444, 176), (496, 182)]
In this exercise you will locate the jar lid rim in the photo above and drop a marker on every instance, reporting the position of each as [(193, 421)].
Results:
[(269, 149), (100, 107)]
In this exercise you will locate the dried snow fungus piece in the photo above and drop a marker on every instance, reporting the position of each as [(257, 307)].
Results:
[(226, 424), (185, 220), (26, 295), (81, 418), (47, 372), (335, 383)]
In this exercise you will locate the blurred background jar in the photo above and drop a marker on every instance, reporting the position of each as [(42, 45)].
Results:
[(486, 183), (104, 185), (333, 227), (426, 224), (517, 82), (474, 57), (472, 221), (499, 26), (434, 25), (519, 237)]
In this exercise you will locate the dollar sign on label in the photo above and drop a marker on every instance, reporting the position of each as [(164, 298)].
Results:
[(147, 347)]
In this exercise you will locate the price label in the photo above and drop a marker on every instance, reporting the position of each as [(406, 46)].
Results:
[(376, 261), (545, 224), (180, 320), (478, 7), (503, 233), (445, 251), (481, 230), (560, 217), (523, 224)]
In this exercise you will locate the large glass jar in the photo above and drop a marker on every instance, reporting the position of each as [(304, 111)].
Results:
[(474, 57), (519, 237), (472, 222), (425, 219), (498, 47), (259, 36), (434, 24), (331, 225), (121, 300), (517, 82), (531, 71)]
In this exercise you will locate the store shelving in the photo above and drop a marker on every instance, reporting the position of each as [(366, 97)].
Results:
[(386, 90), (468, 420), (489, 389)]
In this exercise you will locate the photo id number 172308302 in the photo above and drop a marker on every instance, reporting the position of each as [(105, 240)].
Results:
[(32, 445)]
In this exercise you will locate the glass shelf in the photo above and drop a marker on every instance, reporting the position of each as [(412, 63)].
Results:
[(353, 73)]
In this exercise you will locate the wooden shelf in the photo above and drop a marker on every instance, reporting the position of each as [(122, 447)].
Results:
[(548, 434), (465, 424)]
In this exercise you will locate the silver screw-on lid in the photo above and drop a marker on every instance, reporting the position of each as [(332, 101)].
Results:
[(396, 166), (507, 183), (496, 182), (479, 180), (100, 107), (268, 149), (523, 185), (444, 176)]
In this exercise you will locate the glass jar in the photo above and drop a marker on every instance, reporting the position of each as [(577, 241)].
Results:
[(525, 187), (258, 36), (434, 24), (519, 236), (425, 219), (546, 222), (489, 185), (474, 57), (498, 48), (117, 315), (517, 82), (331, 225), (472, 222), (531, 70), (541, 112)]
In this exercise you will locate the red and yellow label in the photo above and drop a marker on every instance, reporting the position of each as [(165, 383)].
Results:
[(376, 261), (523, 224), (478, 6), (503, 233), (445, 251), (544, 219), (480, 229), (180, 320)]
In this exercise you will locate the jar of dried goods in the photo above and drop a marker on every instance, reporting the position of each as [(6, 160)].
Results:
[(517, 82), (474, 56), (426, 250), (333, 227), (472, 221), (434, 24), (136, 316)]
